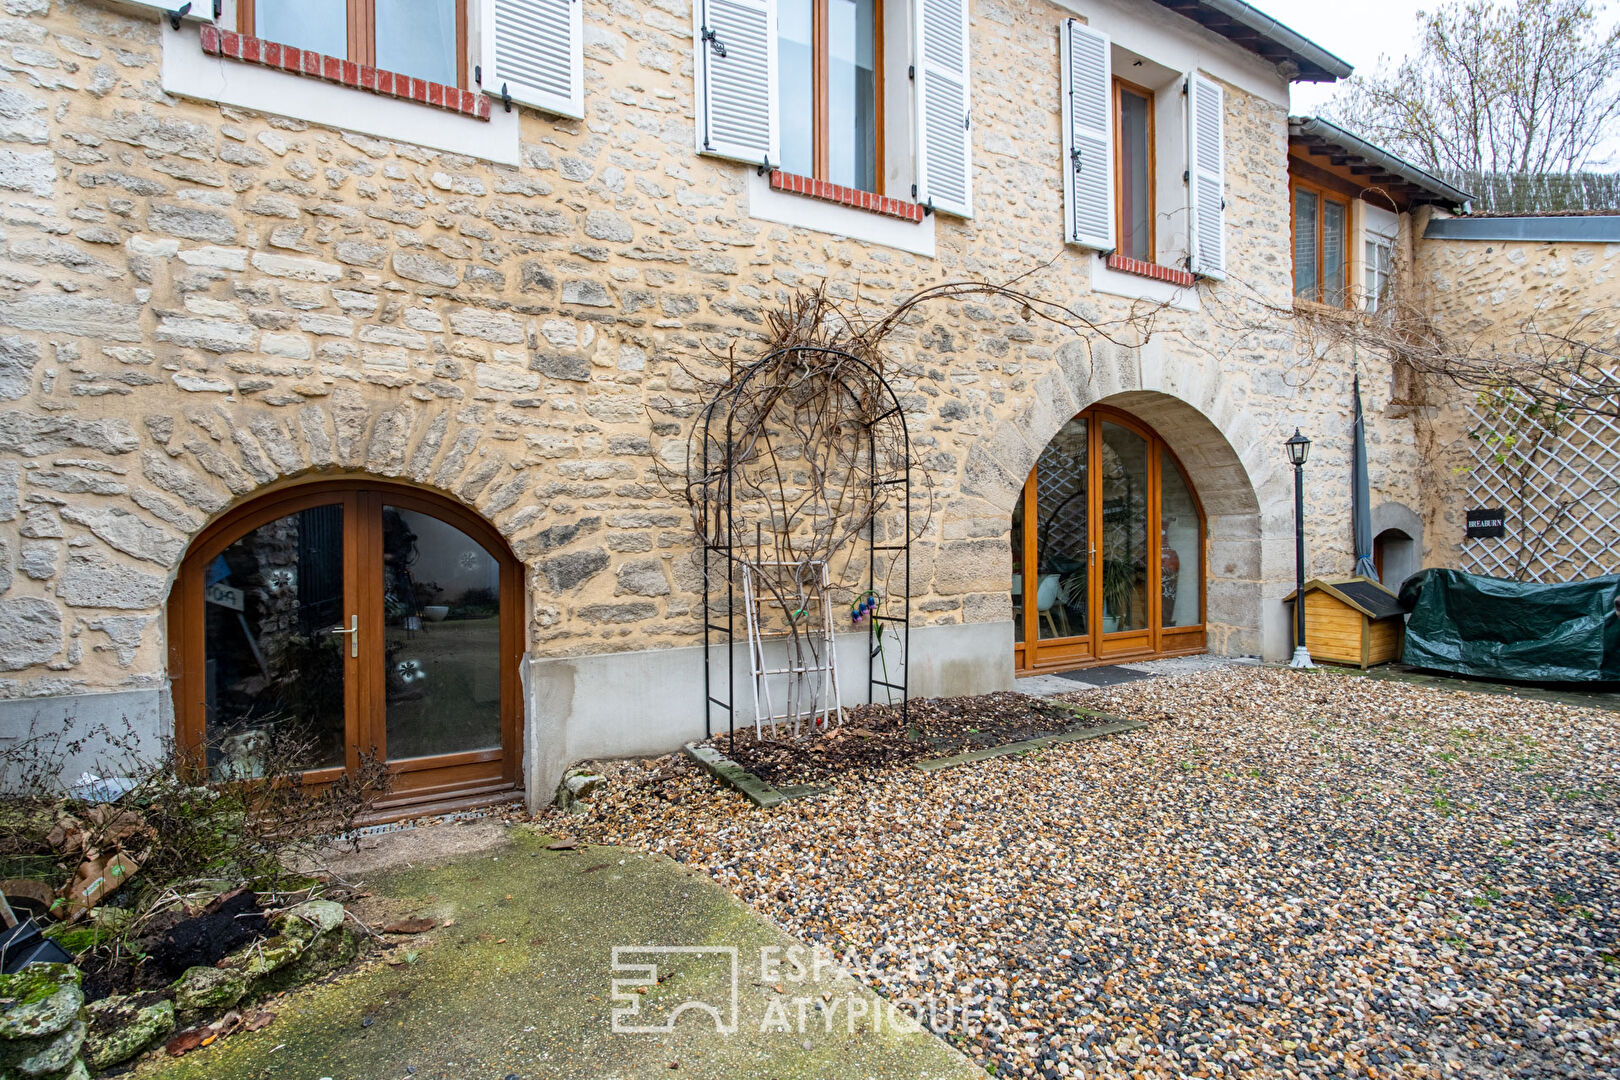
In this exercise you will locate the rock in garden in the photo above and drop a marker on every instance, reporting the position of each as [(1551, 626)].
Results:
[(41, 999), (209, 988), (577, 789), (44, 1056), (123, 1026), (324, 915)]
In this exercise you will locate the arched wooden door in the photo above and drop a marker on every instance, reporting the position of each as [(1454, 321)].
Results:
[(1107, 549), (352, 620)]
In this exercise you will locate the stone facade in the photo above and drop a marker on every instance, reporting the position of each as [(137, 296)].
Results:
[(1486, 292), (200, 302)]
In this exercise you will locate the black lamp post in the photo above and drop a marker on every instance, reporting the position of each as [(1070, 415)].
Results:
[(1299, 447)]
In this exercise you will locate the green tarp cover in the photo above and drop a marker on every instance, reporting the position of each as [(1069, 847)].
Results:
[(1502, 629)]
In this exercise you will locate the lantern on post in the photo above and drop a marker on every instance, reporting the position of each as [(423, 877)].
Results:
[(1299, 448)]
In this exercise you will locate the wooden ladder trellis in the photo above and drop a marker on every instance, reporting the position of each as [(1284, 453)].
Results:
[(780, 584), (1563, 513)]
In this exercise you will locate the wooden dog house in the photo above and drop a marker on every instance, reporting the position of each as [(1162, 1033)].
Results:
[(1352, 620)]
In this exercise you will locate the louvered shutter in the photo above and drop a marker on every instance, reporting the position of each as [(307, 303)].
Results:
[(533, 50), (1206, 180), (945, 143), (1088, 145), (736, 79)]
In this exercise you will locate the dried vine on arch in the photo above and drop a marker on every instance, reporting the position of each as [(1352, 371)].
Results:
[(793, 422)]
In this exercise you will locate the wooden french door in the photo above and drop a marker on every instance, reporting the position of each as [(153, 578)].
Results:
[(335, 623), (1107, 549)]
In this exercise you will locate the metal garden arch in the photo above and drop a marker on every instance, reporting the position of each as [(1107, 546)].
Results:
[(888, 476)]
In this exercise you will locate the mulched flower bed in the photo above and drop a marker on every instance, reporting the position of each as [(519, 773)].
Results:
[(878, 737)]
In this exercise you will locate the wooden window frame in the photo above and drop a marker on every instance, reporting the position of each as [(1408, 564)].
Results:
[(417, 780), (1096, 646), (1122, 87), (821, 91), (1373, 298), (363, 33), (1324, 195)]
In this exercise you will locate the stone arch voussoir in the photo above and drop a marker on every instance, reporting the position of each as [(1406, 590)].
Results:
[(213, 459), (1244, 493)]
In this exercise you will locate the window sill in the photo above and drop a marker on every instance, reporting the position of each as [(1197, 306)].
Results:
[(252, 50), (1316, 307), (1152, 271), (854, 198)]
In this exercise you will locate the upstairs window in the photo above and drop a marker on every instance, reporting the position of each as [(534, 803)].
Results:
[(1114, 196), (425, 39), (1380, 256), (829, 90), (1133, 137), (1321, 224)]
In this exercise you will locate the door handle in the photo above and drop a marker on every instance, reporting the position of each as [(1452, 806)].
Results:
[(354, 628)]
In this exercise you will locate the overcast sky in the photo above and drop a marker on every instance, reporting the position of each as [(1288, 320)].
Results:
[(1357, 32), (1368, 31)]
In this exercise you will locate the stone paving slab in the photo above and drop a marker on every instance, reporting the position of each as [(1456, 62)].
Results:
[(1070, 681), (521, 983)]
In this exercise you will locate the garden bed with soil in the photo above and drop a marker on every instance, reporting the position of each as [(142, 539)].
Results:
[(882, 736)]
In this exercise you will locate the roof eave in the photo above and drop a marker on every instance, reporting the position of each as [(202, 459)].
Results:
[(1440, 192), (1296, 56)]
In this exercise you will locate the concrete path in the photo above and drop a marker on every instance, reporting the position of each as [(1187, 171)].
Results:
[(518, 982), (1114, 674)]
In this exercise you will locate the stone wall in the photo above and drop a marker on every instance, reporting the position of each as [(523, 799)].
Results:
[(1485, 293), (197, 303)]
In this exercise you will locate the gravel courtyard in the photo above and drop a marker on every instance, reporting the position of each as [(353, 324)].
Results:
[(1284, 874)]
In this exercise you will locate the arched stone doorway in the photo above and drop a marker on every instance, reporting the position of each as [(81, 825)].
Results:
[(1231, 456), (1397, 543), (353, 619), (1108, 548)]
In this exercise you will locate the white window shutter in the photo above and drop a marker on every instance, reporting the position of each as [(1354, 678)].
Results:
[(945, 139), (534, 52), (736, 79), (1088, 143), (1206, 176)]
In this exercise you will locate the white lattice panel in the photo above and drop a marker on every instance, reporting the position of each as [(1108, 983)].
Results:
[(1562, 506)]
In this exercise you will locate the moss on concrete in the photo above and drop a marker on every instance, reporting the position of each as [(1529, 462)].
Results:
[(521, 983)]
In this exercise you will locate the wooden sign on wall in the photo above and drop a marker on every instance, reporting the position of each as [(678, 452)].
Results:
[(1485, 525)]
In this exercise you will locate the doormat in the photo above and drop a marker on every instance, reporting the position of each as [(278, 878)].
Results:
[(1112, 675)]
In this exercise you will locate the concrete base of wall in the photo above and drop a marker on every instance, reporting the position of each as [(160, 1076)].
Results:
[(629, 704), (82, 733), (611, 705)]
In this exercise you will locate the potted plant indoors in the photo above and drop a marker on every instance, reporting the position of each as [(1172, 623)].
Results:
[(1118, 581)]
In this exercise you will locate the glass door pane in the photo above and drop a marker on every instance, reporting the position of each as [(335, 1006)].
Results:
[(442, 638), (1062, 543), (1123, 475), (1180, 548), (1018, 569), (274, 670)]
